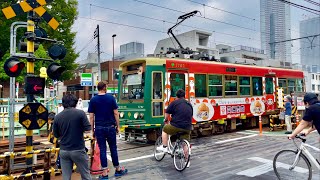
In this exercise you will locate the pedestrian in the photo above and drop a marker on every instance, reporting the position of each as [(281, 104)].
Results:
[(292, 97), (60, 107), (104, 117), (288, 112), (68, 127), (79, 104)]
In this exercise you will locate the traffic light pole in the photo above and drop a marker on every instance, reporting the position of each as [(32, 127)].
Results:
[(30, 71)]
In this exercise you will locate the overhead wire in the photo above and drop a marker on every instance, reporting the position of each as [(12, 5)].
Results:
[(314, 11), (85, 46), (313, 2)]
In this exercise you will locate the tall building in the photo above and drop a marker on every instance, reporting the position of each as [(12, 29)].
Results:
[(310, 56), (275, 26), (130, 51)]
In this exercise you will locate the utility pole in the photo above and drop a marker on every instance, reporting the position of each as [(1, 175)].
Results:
[(97, 35), (113, 36)]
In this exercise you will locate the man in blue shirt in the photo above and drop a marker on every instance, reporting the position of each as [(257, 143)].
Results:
[(104, 117), (287, 117)]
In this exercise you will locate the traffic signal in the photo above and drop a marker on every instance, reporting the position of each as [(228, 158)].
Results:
[(57, 51), (115, 74), (13, 67), (54, 71)]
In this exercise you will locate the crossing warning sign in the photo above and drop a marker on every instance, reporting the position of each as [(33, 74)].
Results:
[(33, 116)]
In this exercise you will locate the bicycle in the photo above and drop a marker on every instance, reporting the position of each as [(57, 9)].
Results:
[(290, 164), (180, 151)]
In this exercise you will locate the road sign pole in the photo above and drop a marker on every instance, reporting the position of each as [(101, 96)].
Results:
[(30, 71), (92, 86), (260, 125)]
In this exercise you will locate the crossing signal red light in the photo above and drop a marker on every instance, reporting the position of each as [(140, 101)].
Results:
[(54, 71), (57, 51), (13, 67)]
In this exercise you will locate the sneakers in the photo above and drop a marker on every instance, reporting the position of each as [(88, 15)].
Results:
[(122, 172), (163, 149), (101, 177)]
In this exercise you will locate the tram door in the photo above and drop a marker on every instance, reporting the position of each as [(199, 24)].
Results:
[(157, 94), (179, 80)]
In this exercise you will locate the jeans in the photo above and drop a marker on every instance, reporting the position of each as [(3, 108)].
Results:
[(80, 158), (109, 133)]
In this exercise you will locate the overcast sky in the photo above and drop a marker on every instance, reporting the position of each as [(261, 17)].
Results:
[(107, 13)]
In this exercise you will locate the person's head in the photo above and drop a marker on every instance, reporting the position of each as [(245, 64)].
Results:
[(180, 93), (69, 100), (291, 93), (310, 98), (288, 99), (102, 86)]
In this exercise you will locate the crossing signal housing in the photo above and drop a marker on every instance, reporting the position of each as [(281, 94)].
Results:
[(57, 51), (13, 67), (54, 71)]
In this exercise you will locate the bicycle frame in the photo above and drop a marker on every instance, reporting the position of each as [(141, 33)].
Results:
[(306, 153)]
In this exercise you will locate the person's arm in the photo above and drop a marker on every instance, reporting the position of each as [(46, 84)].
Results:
[(116, 116), (86, 123), (308, 131), (303, 124), (169, 111), (91, 117), (55, 129)]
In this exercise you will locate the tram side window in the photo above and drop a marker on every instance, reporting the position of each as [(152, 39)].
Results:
[(283, 85), (231, 87), (157, 85), (291, 85), (299, 87), (177, 81), (215, 85), (200, 85), (257, 86), (244, 86), (269, 85)]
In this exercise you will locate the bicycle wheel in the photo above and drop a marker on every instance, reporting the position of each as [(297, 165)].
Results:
[(158, 155), (288, 166), (181, 155)]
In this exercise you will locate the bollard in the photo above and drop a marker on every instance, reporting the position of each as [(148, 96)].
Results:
[(260, 125)]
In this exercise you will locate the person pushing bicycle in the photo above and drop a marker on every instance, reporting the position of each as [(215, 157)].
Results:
[(181, 111), (311, 116)]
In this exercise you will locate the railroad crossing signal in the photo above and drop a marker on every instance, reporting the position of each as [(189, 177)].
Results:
[(33, 116), (29, 5), (13, 67)]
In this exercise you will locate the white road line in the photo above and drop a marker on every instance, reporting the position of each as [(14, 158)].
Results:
[(235, 139)]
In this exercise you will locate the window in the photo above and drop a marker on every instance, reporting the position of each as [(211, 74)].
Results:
[(244, 86), (157, 85), (283, 85), (312, 76), (177, 81), (291, 85), (316, 77), (299, 87), (231, 88), (200, 85), (313, 87), (318, 87), (269, 85), (133, 86), (257, 86), (215, 85), (104, 75)]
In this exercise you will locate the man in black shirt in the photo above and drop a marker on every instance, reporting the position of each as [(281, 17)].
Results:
[(68, 127), (311, 116), (181, 111)]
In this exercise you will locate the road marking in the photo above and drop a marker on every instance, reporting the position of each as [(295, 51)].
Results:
[(266, 167), (235, 139)]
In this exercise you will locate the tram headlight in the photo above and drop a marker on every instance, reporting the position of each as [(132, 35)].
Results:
[(141, 115), (136, 115), (121, 114)]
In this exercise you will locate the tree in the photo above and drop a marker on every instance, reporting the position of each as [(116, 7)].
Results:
[(65, 13)]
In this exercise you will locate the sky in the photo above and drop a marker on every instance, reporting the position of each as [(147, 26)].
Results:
[(139, 21)]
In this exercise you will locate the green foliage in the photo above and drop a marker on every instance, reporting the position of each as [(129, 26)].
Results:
[(65, 13)]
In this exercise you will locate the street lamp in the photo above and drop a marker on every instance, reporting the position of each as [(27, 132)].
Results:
[(114, 35)]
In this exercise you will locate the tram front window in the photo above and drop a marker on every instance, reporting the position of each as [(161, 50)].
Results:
[(133, 86)]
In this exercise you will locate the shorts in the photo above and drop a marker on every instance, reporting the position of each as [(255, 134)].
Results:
[(171, 130)]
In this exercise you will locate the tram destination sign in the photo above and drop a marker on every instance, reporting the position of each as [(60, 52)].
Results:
[(33, 116)]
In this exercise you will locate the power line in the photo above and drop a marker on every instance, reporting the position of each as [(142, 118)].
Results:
[(295, 39), (162, 20), (85, 46), (312, 2), (314, 11), (214, 20)]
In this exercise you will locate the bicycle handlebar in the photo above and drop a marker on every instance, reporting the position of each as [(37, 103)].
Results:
[(302, 137)]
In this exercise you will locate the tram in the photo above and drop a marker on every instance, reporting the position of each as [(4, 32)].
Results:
[(224, 96)]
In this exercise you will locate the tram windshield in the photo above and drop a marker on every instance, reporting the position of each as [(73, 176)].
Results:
[(133, 85)]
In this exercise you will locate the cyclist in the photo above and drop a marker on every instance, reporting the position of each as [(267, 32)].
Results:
[(181, 111), (311, 116)]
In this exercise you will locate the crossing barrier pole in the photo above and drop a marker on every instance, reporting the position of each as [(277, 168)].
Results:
[(260, 125)]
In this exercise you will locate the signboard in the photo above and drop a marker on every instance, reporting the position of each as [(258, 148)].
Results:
[(86, 79), (280, 98), (33, 116), (34, 85), (300, 104), (257, 108)]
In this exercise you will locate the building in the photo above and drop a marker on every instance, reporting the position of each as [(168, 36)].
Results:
[(312, 82), (91, 58), (310, 57), (241, 52), (131, 50), (275, 26), (195, 40)]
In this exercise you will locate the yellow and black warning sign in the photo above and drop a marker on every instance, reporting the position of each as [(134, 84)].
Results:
[(31, 5), (33, 116)]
